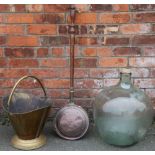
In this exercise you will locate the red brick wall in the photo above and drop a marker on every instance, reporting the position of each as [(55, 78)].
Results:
[(34, 40)]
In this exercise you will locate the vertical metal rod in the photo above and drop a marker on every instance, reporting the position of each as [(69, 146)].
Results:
[(72, 32)]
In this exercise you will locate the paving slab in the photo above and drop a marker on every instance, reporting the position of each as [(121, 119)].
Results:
[(90, 142)]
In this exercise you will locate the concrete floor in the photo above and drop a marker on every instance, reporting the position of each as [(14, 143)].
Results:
[(90, 142)]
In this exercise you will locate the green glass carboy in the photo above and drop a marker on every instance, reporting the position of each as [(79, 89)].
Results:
[(122, 113)]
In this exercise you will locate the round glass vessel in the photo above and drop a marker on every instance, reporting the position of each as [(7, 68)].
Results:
[(122, 113)]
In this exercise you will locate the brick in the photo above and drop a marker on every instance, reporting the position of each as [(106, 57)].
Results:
[(142, 7), (55, 8), (57, 52), (83, 93), (114, 18), (2, 93), (120, 7), (140, 72), (117, 41), (19, 52), (42, 29), (110, 82), (96, 29), (1, 18), (34, 8), (76, 51), (81, 73), (153, 28), (54, 40), (54, 62), (142, 62), (19, 18), (58, 18), (111, 29), (4, 8), (143, 40), (144, 17), (104, 73), (83, 29), (42, 52), (12, 8), (85, 62), (103, 52), (149, 51), (86, 18), (23, 63), (82, 7), (78, 73), (152, 72), (45, 73), (85, 103), (150, 93), (22, 41), (2, 40), (20, 7), (135, 28), (63, 83), (1, 52), (3, 62), (59, 93), (112, 62), (12, 73), (144, 83), (101, 7), (63, 29), (89, 83), (59, 103), (89, 52), (5, 83), (86, 40), (127, 51), (11, 29)]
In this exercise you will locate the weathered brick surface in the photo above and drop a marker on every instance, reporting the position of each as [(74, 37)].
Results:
[(56, 8), (117, 41), (135, 28), (1, 52), (120, 7), (2, 40), (49, 18), (26, 63), (34, 40), (142, 7), (56, 62), (127, 51), (42, 29), (144, 17), (144, 40), (114, 18), (54, 41), (101, 7), (19, 8), (113, 62), (42, 52), (34, 8), (19, 52), (22, 41), (11, 29), (86, 18), (19, 18)]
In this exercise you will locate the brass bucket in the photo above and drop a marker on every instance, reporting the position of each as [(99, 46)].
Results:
[(27, 115)]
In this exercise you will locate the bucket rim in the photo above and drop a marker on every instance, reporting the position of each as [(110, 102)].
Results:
[(17, 113), (11, 113)]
